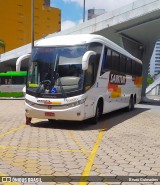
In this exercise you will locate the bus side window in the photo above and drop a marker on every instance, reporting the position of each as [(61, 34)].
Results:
[(138, 69), (106, 61), (18, 80), (104, 64), (115, 61), (133, 67), (122, 64), (109, 59), (129, 66), (91, 73)]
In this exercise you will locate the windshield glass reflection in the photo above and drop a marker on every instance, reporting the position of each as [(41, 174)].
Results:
[(56, 70)]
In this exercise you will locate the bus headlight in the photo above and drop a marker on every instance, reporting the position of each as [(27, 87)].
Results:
[(76, 103)]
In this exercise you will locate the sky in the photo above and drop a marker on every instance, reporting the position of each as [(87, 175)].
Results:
[(72, 10)]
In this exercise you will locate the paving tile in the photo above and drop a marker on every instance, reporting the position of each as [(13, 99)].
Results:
[(74, 171), (115, 168), (45, 172), (126, 165), (131, 183), (149, 172), (156, 169), (155, 165), (135, 163), (120, 173), (134, 170)]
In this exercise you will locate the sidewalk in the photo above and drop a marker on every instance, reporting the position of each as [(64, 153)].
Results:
[(152, 97), (11, 98)]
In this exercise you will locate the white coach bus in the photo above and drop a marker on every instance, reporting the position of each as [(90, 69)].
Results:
[(79, 77)]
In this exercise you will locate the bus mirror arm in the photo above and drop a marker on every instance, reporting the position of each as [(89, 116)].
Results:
[(19, 60), (85, 59)]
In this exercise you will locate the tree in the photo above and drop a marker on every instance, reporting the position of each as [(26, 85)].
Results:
[(149, 80), (2, 45)]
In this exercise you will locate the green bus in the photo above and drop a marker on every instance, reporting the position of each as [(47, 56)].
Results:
[(12, 83)]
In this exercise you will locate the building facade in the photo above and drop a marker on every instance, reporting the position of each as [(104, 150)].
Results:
[(154, 68), (15, 21)]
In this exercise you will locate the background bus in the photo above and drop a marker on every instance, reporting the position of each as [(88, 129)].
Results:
[(12, 83)]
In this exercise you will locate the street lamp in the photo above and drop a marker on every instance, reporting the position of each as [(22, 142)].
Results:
[(84, 4), (32, 24)]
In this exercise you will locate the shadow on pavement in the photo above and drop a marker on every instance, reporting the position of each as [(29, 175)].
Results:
[(107, 121), (156, 103)]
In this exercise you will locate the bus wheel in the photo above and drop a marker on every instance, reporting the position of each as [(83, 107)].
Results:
[(131, 104), (95, 119), (51, 120), (28, 120)]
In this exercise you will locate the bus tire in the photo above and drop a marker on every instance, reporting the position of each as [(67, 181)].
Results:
[(98, 112), (28, 121), (135, 99), (51, 121), (131, 104), (94, 120)]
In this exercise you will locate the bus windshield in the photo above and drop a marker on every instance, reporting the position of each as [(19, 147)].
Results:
[(56, 70)]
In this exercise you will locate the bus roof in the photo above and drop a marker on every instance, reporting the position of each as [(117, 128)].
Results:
[(79, 39), (14, 73)]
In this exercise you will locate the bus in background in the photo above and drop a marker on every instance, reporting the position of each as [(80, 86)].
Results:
[(79, 77), (12, 83)]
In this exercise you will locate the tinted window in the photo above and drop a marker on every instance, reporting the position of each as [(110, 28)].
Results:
[(115, 61), (107, 60), (129, 66), (122, 64), (104, 62), (15, 80), (133, 67), (138, 69), (112, 60)]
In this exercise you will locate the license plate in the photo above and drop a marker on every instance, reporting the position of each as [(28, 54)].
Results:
[(49, 114)]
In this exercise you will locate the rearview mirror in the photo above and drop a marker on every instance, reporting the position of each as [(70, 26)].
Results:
[(85, 59), (19, 60)]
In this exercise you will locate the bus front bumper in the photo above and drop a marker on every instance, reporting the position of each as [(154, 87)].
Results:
[(73, 113)]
